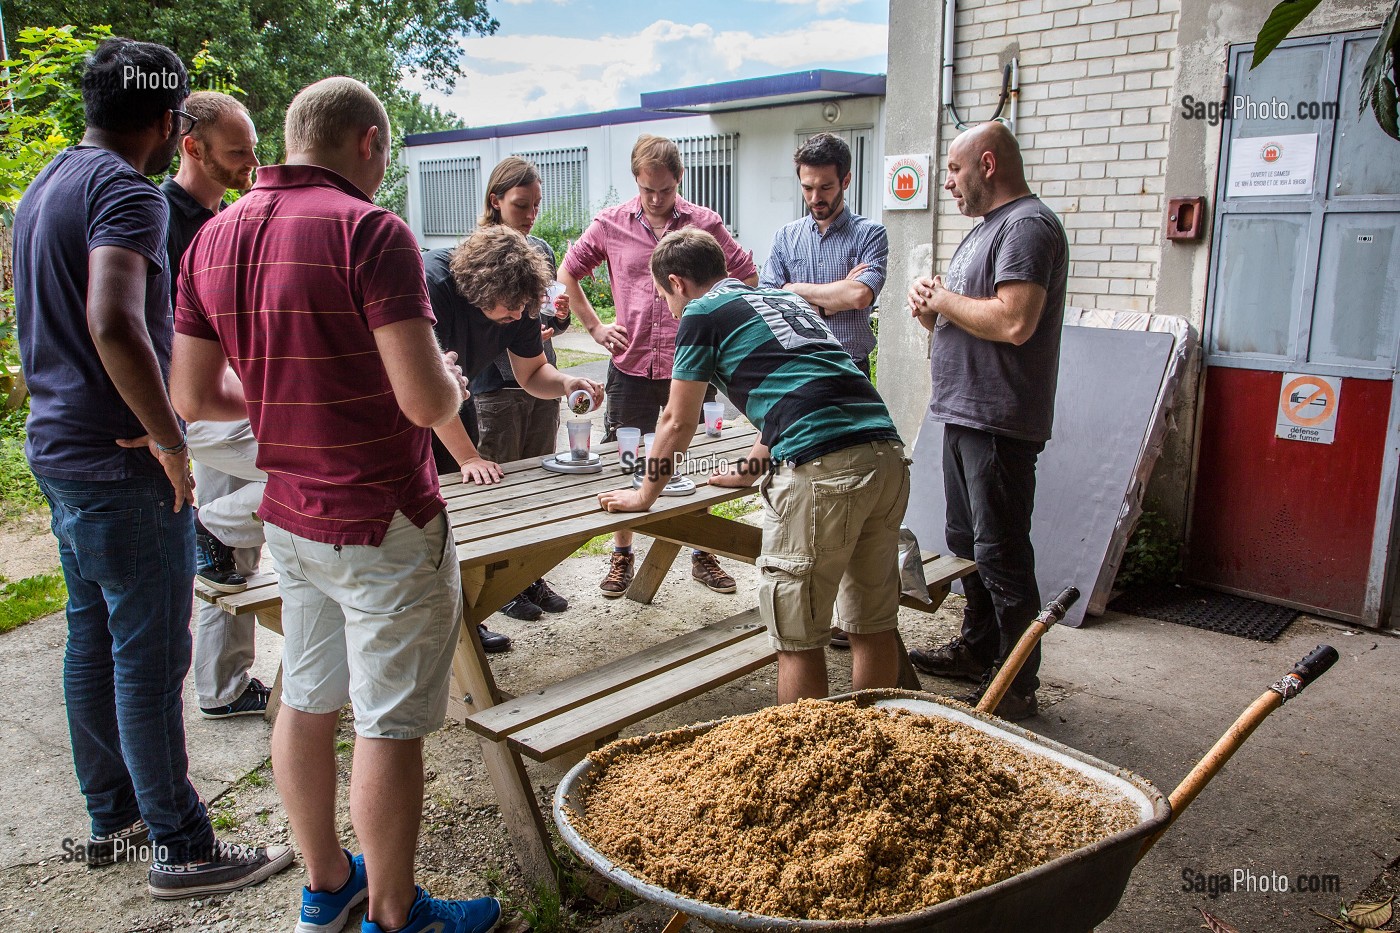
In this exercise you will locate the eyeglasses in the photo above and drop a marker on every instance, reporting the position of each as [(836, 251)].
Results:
[(190, 121)]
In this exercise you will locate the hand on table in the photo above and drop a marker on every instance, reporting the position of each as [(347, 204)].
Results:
[(623, 500), (732, 479), (481, 471)]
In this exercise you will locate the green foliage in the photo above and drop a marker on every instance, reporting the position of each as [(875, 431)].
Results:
[(735, 508), (18, 491), (29, 599), (1153, 554), (47, 114), (1379, 77), (280, 48)]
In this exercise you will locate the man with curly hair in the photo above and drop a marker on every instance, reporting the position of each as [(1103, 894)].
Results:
[(486, 297)]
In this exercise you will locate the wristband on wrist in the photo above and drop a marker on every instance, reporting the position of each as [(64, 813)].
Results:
[(177, 449)]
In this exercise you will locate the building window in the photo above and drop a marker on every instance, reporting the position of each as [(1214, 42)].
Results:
[(710, 163), (451, 195), (563, 184)]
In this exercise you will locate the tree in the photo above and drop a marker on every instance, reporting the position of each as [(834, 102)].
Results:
[(1379, 78), (277, 47)]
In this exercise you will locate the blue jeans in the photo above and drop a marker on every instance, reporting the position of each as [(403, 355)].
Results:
[(128, 561)]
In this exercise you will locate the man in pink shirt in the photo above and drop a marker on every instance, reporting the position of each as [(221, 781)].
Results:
[(642, 342)]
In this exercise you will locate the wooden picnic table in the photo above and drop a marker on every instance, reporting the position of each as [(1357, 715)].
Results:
[(510, 534)]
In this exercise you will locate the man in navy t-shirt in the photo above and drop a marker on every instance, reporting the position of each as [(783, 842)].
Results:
[(92, 301)]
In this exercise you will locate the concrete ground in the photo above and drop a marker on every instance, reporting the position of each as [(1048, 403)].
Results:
[(1311, 794)]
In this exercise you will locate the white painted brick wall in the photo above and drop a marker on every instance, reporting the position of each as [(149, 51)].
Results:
[(1095, 104)]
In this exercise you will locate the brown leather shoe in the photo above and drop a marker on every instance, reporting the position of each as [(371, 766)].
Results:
[(705, 568), (619, 576)]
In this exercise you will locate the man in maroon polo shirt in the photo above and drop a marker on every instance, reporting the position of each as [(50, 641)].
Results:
[(318, 300)]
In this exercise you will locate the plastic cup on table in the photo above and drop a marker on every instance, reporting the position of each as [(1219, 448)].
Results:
[(628, 440), (714, 418), (580, 435)]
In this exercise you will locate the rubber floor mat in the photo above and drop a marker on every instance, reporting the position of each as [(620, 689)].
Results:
[(1199, 607)]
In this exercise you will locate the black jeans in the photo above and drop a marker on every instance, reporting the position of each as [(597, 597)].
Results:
[(636, 402), (989, 482)]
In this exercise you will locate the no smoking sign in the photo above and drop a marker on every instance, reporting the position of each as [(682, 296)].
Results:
[(1307, 408)]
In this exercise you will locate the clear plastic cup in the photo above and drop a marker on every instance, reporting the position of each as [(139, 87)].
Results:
[(714, 418), (580, 435), (628, 440), (647, 440)]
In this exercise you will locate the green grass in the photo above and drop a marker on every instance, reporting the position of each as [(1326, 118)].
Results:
[(606, 313), (29, 599), (735, 508), (18, 491), (600, 546), (569, 358), (221, 813)]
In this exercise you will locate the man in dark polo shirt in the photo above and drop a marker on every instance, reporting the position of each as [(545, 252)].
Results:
[(92, 300), (486, 294), (216, 156), (317, 298)]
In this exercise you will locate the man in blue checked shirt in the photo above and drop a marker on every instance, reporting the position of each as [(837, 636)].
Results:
[(834, 258)]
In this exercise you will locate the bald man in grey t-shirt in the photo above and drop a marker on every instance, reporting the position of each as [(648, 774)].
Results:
[(996, 318)]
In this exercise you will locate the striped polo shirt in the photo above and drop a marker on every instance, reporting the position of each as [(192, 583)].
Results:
[(292, 281), (777, 361)]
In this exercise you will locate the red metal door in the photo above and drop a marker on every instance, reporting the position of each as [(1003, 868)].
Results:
[(1286, 521)]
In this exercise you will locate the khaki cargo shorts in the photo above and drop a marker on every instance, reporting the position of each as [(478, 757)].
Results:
[(372, 626), (831, 541)]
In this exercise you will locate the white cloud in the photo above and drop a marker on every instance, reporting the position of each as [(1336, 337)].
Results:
[(509, 79), (823, 6)]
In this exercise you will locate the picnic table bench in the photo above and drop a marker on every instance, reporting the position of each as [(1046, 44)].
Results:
[(510, 534)]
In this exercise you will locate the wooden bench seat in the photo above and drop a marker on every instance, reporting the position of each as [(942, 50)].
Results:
[(576, 712)]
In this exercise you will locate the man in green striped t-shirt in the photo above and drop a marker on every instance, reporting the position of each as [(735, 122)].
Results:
[(835, 478)]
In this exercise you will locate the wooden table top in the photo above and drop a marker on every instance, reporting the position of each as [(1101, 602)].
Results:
[(532, 506)]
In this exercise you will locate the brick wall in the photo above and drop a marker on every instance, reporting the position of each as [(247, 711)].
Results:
[(1095, 106)]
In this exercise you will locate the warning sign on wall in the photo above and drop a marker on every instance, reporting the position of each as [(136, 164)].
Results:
[(1307, 408)]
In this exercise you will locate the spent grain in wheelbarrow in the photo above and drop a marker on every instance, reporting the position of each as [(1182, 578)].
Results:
[(825, 811)]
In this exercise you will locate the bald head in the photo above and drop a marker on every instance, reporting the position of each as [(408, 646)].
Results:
[(985, 169), (339, 124)]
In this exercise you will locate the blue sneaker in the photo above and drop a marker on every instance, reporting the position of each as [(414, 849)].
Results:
[(430, 915), (326, 911)]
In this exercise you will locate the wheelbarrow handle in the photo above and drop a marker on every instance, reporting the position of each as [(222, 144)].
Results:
[(1304, 672), (1053, 612)]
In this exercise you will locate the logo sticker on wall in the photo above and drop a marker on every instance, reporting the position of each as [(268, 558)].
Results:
[(1307, 408), (906, 182)]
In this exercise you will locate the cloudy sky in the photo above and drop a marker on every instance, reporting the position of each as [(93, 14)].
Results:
[(557, 57)]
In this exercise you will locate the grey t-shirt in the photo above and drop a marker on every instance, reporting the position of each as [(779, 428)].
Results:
[(993, 386)]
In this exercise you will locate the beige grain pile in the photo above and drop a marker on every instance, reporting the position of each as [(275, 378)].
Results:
[(825, 811)]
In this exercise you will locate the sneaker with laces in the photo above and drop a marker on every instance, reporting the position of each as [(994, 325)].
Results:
[(251, 702), (430, 915), (492, 642), (214, 565), (231, 867), (522, 608), (327, 911), (619, 576), (106, 848), (705, 568), (543, 595), (951, 660)]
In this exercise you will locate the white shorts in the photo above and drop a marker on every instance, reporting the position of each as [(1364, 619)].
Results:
[(374, 626)]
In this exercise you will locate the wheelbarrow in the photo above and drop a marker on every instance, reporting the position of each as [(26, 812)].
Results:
[(1070, 894)]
